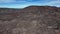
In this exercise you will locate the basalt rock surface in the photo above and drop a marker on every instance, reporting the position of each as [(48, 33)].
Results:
[(30, 20)]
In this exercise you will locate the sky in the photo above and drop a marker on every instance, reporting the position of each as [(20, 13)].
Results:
[(25, 3)]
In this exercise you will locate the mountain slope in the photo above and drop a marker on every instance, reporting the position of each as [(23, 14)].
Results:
[(30, 20)]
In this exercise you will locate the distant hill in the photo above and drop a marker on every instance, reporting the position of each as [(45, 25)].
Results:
[(7, 10), (30, 20)]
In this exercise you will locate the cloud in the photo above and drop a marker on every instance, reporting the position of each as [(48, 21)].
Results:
[(54, 3), (6, 1), (14, 1)]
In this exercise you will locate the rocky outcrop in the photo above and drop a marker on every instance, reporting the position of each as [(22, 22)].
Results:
[(30, 20)]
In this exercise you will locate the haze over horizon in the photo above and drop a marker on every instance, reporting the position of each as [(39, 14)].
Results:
[(25, 3)]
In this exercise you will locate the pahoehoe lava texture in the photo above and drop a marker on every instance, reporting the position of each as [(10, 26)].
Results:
[(30, 20)]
